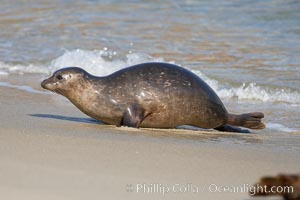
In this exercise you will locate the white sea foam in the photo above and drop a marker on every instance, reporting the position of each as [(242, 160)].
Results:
[(105, 62), (252, 91), (21, 69), (99, 63), (280, 127), (3, 73), (22, 88)]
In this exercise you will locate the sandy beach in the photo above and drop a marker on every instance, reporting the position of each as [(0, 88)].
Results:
[(49, 150)]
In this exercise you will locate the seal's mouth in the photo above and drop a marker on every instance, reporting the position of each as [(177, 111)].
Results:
[(48, 85), (44, 84)]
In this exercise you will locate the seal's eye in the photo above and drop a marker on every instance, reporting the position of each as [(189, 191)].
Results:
[(59, 77)]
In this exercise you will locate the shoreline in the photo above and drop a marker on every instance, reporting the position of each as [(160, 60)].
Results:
[(50, 150)]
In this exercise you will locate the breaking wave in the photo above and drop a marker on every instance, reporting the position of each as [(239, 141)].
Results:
[(104, 62), (252, 91)]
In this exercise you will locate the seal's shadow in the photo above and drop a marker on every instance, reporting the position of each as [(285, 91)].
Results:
[(67, 118), (94, 121)]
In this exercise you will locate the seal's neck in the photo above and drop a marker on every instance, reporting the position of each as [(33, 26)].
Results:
[(84, 93)]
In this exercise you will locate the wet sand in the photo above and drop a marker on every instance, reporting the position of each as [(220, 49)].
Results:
[(49, 150)]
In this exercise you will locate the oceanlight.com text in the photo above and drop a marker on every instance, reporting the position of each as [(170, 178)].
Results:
[(164, 189)]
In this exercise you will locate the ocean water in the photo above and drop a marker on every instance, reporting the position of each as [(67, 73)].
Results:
[(247, 51)]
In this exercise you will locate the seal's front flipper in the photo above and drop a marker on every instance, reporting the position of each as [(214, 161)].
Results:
[(228, 128), (133, 116)]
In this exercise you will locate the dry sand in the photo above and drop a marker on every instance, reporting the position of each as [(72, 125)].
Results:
[(49, 150)]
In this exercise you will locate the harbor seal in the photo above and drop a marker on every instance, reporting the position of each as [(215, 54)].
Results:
[(152, 95)]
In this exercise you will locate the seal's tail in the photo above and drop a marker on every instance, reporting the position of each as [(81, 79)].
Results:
[(248, 120)]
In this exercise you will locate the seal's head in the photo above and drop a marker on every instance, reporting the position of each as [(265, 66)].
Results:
[(64, 80)]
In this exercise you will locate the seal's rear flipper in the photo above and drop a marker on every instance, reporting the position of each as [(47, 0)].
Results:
[(133, 116), (248, 120), (228, 128)]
